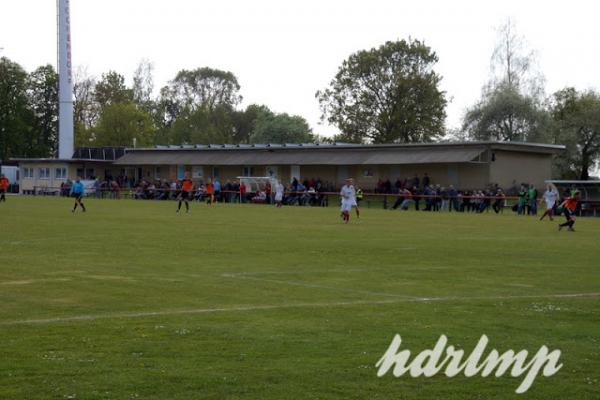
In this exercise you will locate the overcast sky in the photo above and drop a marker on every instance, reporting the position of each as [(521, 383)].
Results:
[(282, 52)]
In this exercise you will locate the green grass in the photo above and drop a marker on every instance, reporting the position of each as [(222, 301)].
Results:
[(255, 302)]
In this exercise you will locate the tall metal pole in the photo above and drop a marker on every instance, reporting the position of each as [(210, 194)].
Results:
[(65, 82)]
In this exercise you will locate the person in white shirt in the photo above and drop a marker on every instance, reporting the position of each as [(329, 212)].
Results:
[(173, 190), (278, 194), (550, 197), (348, 197), (355, 200)]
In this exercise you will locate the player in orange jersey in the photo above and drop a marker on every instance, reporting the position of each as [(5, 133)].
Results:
[(3, 187), (210, 193), (186, 192), (569, 207)]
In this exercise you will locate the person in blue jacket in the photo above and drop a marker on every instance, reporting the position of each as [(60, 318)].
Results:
[(77, 191)]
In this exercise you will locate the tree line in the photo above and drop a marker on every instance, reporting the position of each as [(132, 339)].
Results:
[(387, 94), (197, 106)]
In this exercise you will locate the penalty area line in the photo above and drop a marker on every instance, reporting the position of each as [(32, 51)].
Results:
[(125, 315)]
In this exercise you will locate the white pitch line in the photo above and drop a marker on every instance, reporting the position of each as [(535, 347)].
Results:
[(30, 281), (79, 318), (24, 241), (323, 271), (183, 312), (313, 286)]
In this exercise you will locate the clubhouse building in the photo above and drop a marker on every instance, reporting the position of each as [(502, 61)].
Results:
[(466, 165)]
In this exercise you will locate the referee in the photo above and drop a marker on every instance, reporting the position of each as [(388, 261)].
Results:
[(77, 191)]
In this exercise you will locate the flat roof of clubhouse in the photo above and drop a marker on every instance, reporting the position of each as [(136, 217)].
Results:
[(325, 154)]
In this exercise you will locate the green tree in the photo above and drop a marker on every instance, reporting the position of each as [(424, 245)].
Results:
[(15, 115), (112, 90), (504, 114), (43, 100), (577, 117), (205, 87), (198, 106), (203, 126), (281, 128), (245, 122), (167, 110), (120, 124), (388, 94)]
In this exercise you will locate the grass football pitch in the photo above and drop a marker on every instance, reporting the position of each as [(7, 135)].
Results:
[(133, 301)]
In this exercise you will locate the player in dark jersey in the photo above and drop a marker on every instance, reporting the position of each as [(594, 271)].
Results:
[(186, 192), (569, 206)]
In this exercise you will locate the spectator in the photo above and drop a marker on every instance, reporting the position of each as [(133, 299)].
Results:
[(228, 195), (200, 194), (399, 200), (98, 188), (453, 200), (429, 195), (173, 190), (445, 200), (484, 200), (268, 192), (426, 180), (235, 187), (398, 185), (115, 190), (407, 195), (388, 186), (437, 199), (380, 188), (467, 201), (522, 200), (217, 189), (416, 182), (499, 201), (416, 198), (532, 197), (243, 191)]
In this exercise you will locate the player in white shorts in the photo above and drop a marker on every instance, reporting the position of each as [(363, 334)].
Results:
[(550, 196), (278, 194), (348, 196), (355, 201)]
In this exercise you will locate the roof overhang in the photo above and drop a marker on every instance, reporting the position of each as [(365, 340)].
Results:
[(569, 182), (528, 147), (60, 160), (514, 146), (348, 156)]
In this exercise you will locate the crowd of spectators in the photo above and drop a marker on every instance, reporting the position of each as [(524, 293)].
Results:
[(308, 192), (415, 192), (439, 198), (422, 194)]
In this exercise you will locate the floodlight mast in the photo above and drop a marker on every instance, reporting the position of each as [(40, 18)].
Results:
[(65, 82)]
